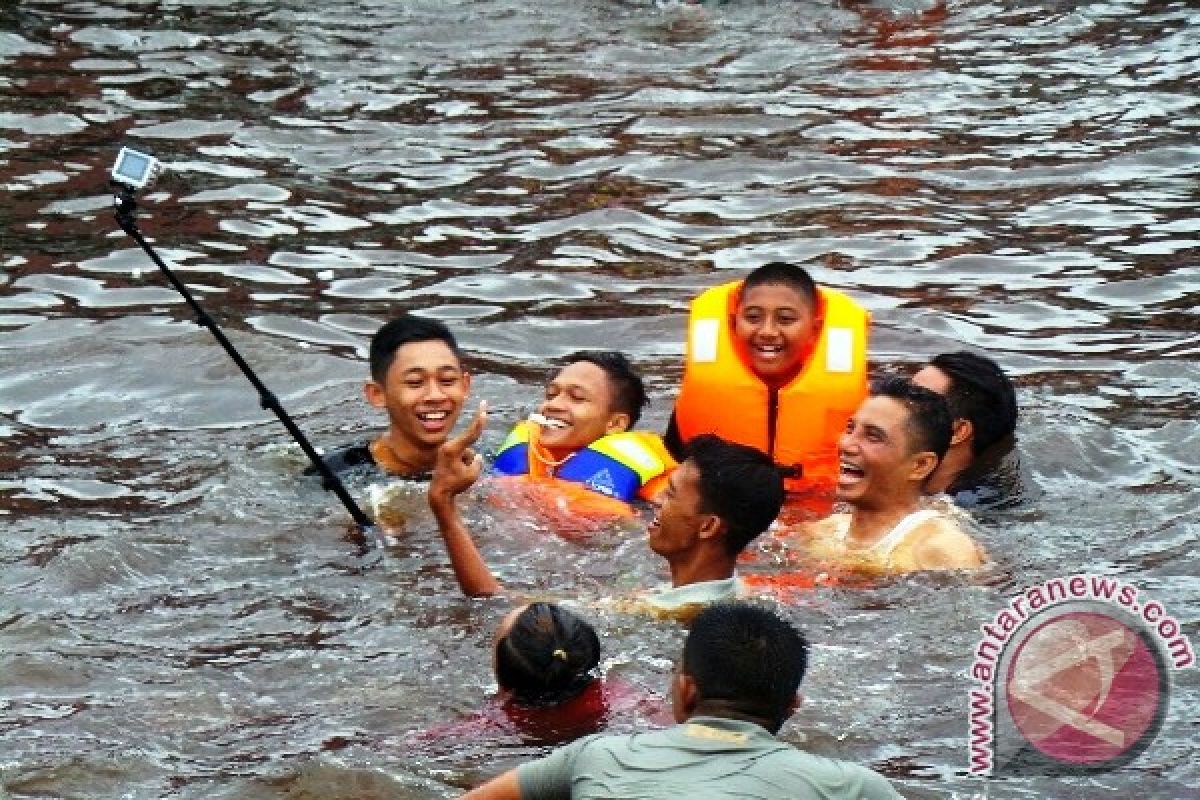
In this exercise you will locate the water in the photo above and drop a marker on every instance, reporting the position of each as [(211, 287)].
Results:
[(181, 615)]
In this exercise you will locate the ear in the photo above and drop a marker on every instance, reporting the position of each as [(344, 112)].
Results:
[(922, 465), (466, 379), (375, 394), (618, 422), (961, 432), (792, 708), (711, 526), (683, 696)]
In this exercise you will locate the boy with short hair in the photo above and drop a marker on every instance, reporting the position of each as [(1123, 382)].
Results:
[(418, 379)]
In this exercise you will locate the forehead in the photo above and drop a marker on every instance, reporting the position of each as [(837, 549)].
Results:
[(585, 375), (773, 295), (431, 355), (886, 413), (685, 478), (933, 379)]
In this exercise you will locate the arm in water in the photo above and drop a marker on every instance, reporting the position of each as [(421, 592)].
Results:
[(456, 470)]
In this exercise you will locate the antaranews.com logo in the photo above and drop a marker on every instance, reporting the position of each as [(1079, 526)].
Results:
[(1072, 677)]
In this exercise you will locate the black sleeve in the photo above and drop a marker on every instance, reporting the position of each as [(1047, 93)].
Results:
[(344, 459)]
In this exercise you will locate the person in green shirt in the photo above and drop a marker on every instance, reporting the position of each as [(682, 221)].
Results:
[(731, 693)]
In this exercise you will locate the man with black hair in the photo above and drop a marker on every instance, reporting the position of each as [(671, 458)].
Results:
[(417, 378), (719, 500), (983, 405), (733, 690), (889, 449), (582, 432), (715, 503)]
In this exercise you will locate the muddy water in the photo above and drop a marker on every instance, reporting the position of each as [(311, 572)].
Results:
[(181, 615)]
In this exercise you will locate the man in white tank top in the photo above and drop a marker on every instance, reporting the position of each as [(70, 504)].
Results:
[(891, 446)]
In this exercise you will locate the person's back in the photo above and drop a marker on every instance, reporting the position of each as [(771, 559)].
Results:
[(735, 687), (706, 758)]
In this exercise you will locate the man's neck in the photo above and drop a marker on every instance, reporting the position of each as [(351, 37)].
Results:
[(722, 710), (397, 456), (868, 525), (707, 564), (956, 461)]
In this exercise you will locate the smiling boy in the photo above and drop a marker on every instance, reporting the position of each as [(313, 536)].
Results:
[(418, 379), (581, 432), (777, 363)]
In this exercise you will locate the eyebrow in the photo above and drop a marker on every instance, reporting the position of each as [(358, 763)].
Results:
[(876, 430), (566, 387)]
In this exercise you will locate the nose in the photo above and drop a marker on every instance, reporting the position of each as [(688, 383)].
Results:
[(845, 442), (435, 391)]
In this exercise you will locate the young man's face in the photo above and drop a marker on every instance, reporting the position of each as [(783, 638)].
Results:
[(678, 518), (776, 327), (876, 460), (423, 392), (579, 401)]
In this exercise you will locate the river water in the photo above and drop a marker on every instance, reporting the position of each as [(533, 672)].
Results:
[(182, 615)]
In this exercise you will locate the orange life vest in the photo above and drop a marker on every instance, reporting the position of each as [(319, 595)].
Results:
[(720, 394)]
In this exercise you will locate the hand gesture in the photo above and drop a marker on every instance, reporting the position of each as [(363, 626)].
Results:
[(458, 466)]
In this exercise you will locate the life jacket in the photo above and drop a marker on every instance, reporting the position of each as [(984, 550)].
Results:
[(720, 394), (598, 480)]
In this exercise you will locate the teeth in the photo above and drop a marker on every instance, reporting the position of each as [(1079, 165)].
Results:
[(432, 416), (546, 422)]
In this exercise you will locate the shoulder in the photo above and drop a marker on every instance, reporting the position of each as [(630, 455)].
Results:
[(347, 458), (552, 776), (831, 777), (940, 542)]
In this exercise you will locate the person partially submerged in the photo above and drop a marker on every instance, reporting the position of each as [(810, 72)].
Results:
[(719, 499), (778, 363), (579, 453), (732, 690), (890, 448), (980, 468), (546, 661), (418, 380)]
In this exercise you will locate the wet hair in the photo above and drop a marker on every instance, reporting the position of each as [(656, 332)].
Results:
[(981, 393), (629, 393), (739, 484), (748, 659), (548, 656), (929, 422), (782, 273), (406, 329)]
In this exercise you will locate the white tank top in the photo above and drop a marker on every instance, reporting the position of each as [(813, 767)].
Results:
[(883, 548)]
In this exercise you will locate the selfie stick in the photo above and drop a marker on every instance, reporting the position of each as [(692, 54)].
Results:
[(126, 206)]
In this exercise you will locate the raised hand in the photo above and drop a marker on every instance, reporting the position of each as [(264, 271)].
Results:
[(458, 466)]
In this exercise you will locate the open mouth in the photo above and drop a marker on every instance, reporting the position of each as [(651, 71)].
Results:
[(850, 472), (547, 422), (433, 419), (769, 351)]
